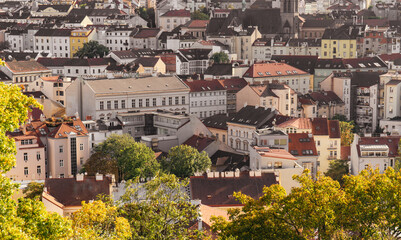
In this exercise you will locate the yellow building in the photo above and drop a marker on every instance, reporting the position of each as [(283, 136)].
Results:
[(79, 37), (339, 43)]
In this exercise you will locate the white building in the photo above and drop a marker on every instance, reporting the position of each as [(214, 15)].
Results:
[(207, 98), (53, 41), (105, 98), (118, 39)]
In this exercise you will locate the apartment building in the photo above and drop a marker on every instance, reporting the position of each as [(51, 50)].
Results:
[(233, 86), (118, 39), (52, 87), (105, 98), (276, 96), (192, 61), (145, 38), (24, 72), (207, 98), (53, 41), (340, 42), (173, 18), (80, 36), (325, 104), (263, 73)]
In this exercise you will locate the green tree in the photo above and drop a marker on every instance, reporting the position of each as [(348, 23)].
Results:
[(121, 154), (148, 14), (199, 15), (308, 212), (337, 170), (347, 136), (92, 49), (220, 57), (33, 190), (97, 220), (184, 161), (27, 219), (158, 209)]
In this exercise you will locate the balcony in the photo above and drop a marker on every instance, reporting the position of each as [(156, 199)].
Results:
[(362, 103)]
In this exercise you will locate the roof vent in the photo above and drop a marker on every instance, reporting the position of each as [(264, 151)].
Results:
[(110, 88)]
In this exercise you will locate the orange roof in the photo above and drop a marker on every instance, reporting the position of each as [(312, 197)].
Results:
[(198, 23), (258, 70), (302, 144), (25, 66), (51, 78), (300, 123), (64, 129), (274, 153)]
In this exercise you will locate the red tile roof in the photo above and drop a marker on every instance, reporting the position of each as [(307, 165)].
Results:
[(198, 23), (299, 123), (204, 85), (147, 33), (259, 70), (390, 57), (323, 126), (274, 153), (390, 141), (301, 144), (177, 13), (25, 66), (233, 84)]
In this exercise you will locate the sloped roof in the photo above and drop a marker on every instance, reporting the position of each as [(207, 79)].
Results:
[(252, 116), (318, 23), (263, 90), (59, 7), (25, 66), (301, 144), (219, 69), (219, 191), (218, 121), (147, 61), (259, 70), (299, 123), (70, 192), (197, 24), (177, 13), (323, 126), (304, 62), (324, 97), (390, 141), (204, 85), (199, 142), (146, 33), (233, 84)]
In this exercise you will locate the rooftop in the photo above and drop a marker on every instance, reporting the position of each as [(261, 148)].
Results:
[(259, 70)]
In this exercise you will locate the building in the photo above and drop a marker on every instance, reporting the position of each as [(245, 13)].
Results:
[(217, 124), (340, 42), (173, 18), (233, 86), (315, 28), (242, 125), (25, 72), (263, 73), (53, 87), (105, 98), (64, 196), (207, 98), (151, 65), (374, 152), (302, 146), (326, 104), (145, 38), (275, 96), (53, 41), (192, 61), (78, 37)]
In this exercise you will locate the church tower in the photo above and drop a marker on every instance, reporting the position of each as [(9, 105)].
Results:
[(289, 18)]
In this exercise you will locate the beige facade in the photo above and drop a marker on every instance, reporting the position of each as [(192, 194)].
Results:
[(220, 134), (53, 87), (24, 72), (30, 158)]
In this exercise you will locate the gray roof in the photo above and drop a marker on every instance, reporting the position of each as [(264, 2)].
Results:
[(133, 85)]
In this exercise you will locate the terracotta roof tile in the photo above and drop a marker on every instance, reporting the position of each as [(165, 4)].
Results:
[(199, 142), (177, 13), (299, 123), (204, 85), (301, 144), (25, 66), (259, 70)]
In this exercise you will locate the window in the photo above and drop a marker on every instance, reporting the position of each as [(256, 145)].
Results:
[(147, 102), (101, 105), (61, 175), (26, 171), (81, 160), (164, 101), (140, 102), (122, 104), (38, 156), (170, 101), (61, 163), (60, 149), (38, 170), (81, 147), (133, 103), (183, 100), (154, 102), (176, 101), (115, 104), (25, 157), (108, 104)]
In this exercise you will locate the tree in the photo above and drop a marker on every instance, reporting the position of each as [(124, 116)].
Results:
[(337, 170), (159, 209), (220, 57), (148, 14), (97, 220), (366, 207), (199, 15), (314, 205), (183, 161), (26, 219), (92, 49), (33, 190), (122, 155), (347, 136)]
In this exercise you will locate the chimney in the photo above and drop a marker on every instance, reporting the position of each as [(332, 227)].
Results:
[(80, 177), (99, 177)]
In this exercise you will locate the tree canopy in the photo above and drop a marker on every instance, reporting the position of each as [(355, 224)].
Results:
[(27, 218), (33, 190), (148, 14), (220, 57), (347, 135), (122, 155), (366, 207), (92, 49), (199, 15), (337, 170), (184, 161)]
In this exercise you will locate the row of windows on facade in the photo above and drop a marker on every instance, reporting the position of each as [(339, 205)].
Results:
[(205, 94), (61, 148), (122, 104), (351, 54), (244, 146), (204, 103), (25, 78), (203, 114), (38, 170), (239, 133), (344, 45), (116, 41)]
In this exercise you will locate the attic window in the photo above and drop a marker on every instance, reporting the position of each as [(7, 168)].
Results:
[(268, 73), (208, 88), (294, 71), (294, 152), (78, 127), (289, 72), (307, 152), (377, 140), (361, 65), (42, 131), (278, 72), (209, 196), (376, 64), (203, 88), (260, 74)]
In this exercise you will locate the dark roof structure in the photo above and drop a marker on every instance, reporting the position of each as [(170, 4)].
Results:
[(323, 126), (218, 121), (199, 142), (219, 69), (253, 116), (306, 63), (70, 192), (147, 61), (233, 84), (204, 85), (218, 191)]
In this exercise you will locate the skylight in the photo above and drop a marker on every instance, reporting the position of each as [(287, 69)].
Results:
[(278, 72)]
